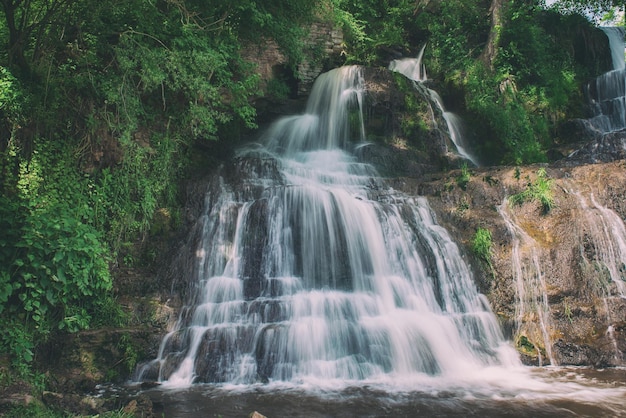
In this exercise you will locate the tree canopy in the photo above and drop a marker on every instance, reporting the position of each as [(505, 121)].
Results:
[(595, 8)]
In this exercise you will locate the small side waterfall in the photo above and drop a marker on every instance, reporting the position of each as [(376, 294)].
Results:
[(414, 70), (534, 319), (311, 269), (606, 252), (616, 43), (606, 95), (608, 240)]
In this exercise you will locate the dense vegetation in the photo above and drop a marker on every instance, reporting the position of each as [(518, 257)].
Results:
[(103, 106), (519, 76)]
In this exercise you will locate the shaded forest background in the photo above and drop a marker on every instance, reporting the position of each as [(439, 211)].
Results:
[(107, 107)]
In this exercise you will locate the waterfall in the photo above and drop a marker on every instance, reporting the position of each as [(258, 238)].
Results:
[(616, 43), (534, 319), (607, 247), (414, 70), (311, 269), (608, 240), (606, 95)]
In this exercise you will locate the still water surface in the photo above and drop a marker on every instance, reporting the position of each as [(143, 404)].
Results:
[(527, 392)]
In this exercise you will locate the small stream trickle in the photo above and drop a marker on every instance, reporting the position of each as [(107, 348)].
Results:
[(607, 241), (414, 70), (533, 316)]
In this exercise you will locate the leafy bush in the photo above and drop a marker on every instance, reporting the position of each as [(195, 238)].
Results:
[(534, 85), (539, 190), (120, 93), (54, 271), (464, 177), (482, 246), (455, 31)]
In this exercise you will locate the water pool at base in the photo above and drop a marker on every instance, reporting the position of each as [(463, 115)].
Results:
[(526, 392)]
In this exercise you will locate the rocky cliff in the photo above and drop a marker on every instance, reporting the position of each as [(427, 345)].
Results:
[(556, 278)]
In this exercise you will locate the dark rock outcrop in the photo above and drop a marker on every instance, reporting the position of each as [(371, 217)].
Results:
[(601, 149)]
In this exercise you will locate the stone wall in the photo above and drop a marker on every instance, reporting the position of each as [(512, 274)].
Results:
[(323, 47), (325, 44)]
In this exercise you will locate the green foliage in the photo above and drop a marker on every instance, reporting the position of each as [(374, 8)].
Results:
[(125, 199), (373, 26), (525, 346), (464, 177), (510, 128), (539, 190), (533, 86), (456, 30), (129, 353), (54, 264), (9, 91), (18, 341), (514, 106), (596, 8), (101, 107), (39, 410), (482, 246), (33, 410)]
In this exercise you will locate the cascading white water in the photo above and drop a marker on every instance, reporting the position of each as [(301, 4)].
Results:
[(414, 70), (311, 269), (608, 238), (607, 93), (616, 43), (532, 310)]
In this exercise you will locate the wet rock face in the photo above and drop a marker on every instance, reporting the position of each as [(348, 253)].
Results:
[(582, 274), (404, 128), (604, 148)]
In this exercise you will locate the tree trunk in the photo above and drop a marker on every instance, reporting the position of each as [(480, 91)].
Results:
[(496, 10), (16, 43)]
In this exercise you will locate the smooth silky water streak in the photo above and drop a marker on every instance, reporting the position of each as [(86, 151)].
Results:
[(616, 44), (607, 234), (608, 238), (607, 93), (531, 288)]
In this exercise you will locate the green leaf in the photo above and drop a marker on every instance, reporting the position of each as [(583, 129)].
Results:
[(58, 257), (5, 291), (50, 297)]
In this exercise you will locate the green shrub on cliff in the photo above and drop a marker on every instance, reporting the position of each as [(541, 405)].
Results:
[(482, 246), (539, 190)]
